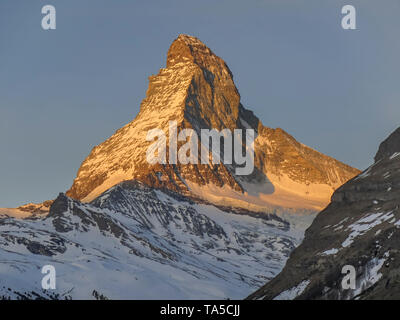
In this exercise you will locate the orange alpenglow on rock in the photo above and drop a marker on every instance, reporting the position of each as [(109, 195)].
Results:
[(197, 90)]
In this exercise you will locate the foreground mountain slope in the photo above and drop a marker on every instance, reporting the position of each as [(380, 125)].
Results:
[(197, 90), (134, 242), (360, 227)]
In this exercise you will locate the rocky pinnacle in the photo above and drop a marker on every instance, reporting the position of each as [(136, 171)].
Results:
[(196, 89)]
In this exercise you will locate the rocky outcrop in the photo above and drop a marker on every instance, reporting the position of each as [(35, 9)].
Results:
[(360, 228), (389, 146)]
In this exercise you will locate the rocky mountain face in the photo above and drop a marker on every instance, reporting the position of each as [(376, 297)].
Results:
[(389, 146), (197, 90), (360, 228)]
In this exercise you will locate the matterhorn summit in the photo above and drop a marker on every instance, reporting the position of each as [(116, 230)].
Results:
[(196, 90)]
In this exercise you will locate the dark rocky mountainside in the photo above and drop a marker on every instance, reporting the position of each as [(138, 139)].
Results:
[(389, 146), (361, 228)]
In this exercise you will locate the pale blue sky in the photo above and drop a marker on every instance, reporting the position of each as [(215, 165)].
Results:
[(64, 91)]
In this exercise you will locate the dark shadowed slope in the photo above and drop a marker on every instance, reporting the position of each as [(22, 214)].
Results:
[(360, 227)]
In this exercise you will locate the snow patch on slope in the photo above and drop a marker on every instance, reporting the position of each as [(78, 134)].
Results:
[(294, 292), (365, 224), (278, 192)]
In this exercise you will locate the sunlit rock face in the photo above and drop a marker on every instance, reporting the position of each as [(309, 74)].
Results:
[(197, 90)]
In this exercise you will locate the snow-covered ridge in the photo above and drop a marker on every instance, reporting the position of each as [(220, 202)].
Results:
[(134, 242)]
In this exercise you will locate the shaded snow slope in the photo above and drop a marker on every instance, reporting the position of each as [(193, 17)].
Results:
[(134, 242)]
